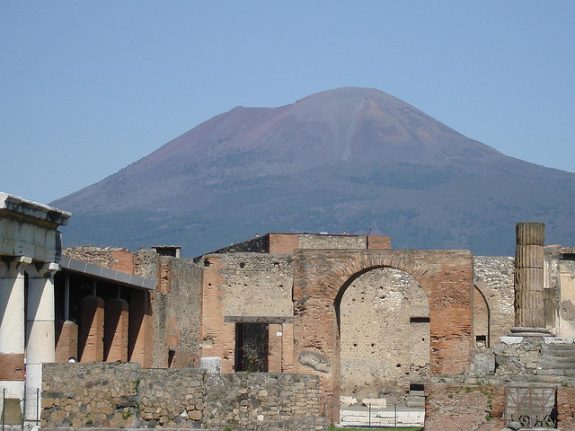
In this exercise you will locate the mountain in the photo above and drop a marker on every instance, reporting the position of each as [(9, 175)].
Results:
[(347, 160)]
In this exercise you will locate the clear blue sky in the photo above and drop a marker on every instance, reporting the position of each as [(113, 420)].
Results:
[(88, 87)]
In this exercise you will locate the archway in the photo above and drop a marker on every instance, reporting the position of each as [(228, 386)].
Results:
[(481, 319), (321, 278), (383, 327)]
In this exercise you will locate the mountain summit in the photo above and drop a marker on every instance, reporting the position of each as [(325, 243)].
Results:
[(346, 160)]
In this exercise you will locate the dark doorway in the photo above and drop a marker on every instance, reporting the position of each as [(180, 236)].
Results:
[(251, 347)]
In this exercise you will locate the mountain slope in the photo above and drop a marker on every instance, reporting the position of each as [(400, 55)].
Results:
[(351, 160)]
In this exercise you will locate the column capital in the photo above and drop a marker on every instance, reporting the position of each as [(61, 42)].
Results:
[(13, 266), (43, 270)]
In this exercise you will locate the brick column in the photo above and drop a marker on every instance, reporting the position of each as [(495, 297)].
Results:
[(12, 327), (529, 261), (40, 332), (66, 340), (91, 333), (116, 330), (140, 329)]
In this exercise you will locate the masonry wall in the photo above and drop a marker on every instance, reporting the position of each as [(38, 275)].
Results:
[(384, 332), (245, 287), (176, 313), (320, 277), (567, 298), (278, 400), (126, 396), (493, 277), (464, 407), (314, 241), (116, 258)]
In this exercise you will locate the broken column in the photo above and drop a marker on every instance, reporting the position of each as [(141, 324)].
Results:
[(529, 262)]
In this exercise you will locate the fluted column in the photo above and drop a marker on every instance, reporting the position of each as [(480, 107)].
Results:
[(12, 327), (40, 332), (529, 262)]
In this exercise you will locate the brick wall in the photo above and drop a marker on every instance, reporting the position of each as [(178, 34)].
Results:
[(124, 395), (566, 407)]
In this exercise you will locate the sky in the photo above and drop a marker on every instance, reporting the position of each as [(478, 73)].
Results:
[(88, 87)]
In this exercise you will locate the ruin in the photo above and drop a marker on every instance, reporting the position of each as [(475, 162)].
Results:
[(456, 340)]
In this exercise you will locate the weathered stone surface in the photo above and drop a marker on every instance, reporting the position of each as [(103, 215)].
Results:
[(314, 360), (126, 396), (493, 277), (464, 407), (483, 364)]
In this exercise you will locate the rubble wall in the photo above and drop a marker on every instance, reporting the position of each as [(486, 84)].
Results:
[(126, 396)]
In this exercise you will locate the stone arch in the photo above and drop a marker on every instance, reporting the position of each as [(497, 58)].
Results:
[(320, 276), (382, 335)]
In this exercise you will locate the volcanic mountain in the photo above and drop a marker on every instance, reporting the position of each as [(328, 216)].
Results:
[(352, 160)]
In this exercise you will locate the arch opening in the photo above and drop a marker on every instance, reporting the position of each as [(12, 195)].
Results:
[(383, 335), (481, 319)]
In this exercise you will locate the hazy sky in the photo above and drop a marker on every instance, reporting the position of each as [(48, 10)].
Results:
[(88, 87)]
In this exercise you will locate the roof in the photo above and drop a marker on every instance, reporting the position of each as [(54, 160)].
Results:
[(130, 280)]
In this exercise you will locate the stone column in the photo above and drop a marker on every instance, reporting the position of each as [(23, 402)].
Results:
[(12, 328), (40, 332), (529, 262)]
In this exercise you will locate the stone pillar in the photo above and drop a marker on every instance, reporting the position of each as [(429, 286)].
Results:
[(140, 329), (529, 262), (116, 330), (12, 329), (40, 332), (91, 333)]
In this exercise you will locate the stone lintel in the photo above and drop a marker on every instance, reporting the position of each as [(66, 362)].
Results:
[(258, 319), (520, 331)]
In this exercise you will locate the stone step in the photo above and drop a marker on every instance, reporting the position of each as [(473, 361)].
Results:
[(558, 357), (413, 393), (558, 346), (556, 372), (558, 354)]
